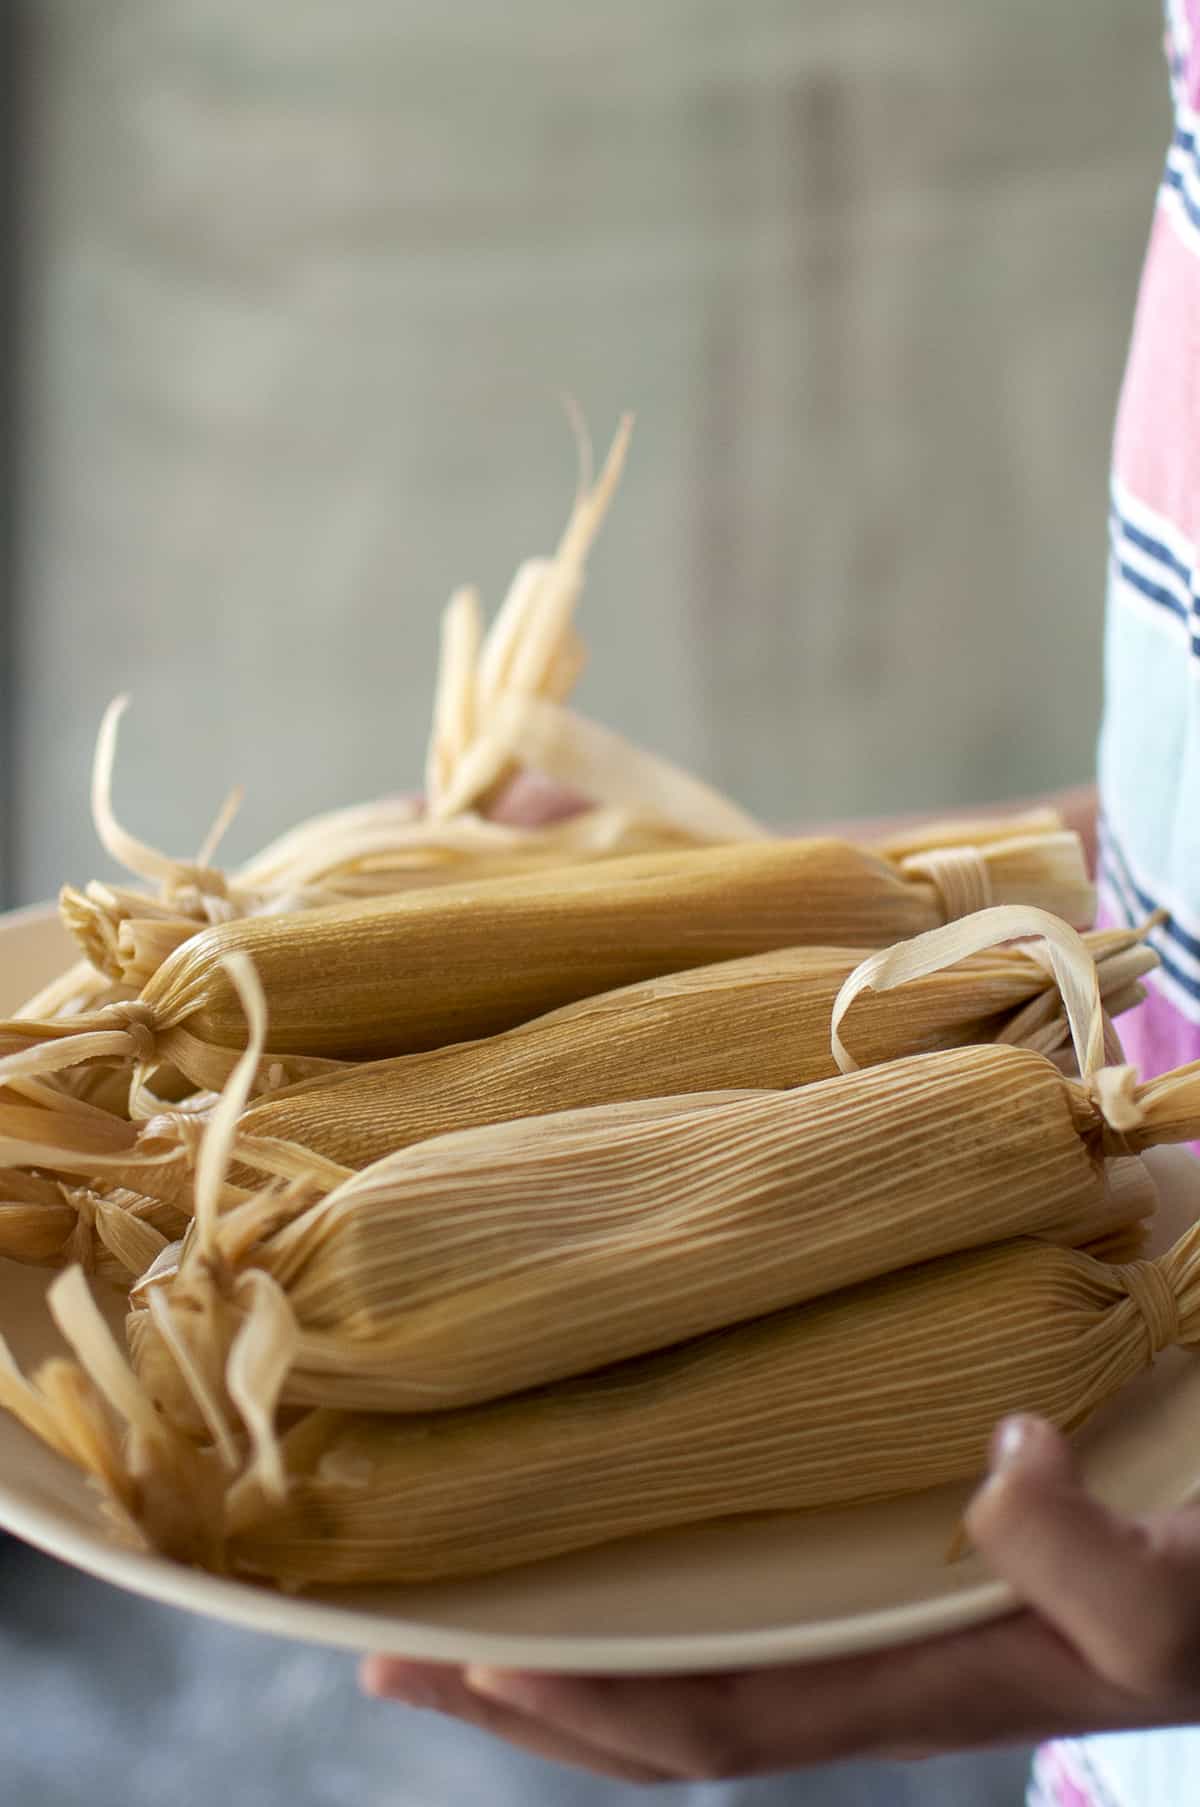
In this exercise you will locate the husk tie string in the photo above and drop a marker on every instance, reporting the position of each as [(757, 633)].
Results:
[(960, 877)]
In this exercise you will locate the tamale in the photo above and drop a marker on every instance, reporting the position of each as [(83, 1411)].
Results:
[(880, 1390), (760, 1023), (480, 1263), (755, 1024), (495, 1259), (418, 971)]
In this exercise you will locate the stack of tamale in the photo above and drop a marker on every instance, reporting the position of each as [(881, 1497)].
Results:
[(483, 1194)]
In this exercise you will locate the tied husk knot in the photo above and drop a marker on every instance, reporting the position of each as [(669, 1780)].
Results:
[(1121, 1113), (1158, 1303), (959, 875)]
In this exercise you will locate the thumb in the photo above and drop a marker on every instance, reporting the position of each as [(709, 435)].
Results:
[(1098, 1578)]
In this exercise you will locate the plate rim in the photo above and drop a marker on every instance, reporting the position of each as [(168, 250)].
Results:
[(312, 1620)]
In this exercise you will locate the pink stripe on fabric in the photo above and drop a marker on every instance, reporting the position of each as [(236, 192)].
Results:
[(1191, 78), (1157, 448), (1155, 1036), (1053, 1785)]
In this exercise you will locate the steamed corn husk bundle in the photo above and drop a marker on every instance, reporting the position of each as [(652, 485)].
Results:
[(760, 1024), (880, 1390), (496, 1259), (126, 934), (424, 969), (871, 1391)]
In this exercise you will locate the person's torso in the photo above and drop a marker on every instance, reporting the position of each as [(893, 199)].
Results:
[(1150, 758), (1150, 746)]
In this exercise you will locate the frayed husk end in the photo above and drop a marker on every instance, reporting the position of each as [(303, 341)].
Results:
[(36, 1221), (158, 1491), (114, 1234), (1122, 959), (213, 1350), (93, 930), (1160, 1111), (119, 1034), (531, 651), (126, 935), (102, 1154)]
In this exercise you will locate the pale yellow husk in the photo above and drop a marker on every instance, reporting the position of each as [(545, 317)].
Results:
[(495, 1259), (760, 1023), (479, 1263), (876, 1392), (425, 969)]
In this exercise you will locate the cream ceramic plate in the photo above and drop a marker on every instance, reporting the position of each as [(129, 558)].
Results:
[(756, 1591)]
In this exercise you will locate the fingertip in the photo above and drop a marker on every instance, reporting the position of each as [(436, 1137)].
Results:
[(531, 801), (372, 1676), (1027, 1454), (392, 1678), (1028, 1443), (510, 1687)]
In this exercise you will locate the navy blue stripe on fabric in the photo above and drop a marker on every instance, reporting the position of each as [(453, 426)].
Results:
[(1160, 594), (1173, 178), (1153, 548), (1186, 982), (1143, 898), (1137, 902), (1145, 586)]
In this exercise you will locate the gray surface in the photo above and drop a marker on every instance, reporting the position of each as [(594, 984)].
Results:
[(110, 1702)]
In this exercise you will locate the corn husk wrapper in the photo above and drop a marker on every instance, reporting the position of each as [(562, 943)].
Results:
[(963, 831), (880, 1390), (127, 935), (759, 1024), (424, 969), (496, 1259)]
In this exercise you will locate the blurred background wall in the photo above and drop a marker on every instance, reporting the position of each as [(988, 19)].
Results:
[(303, 281)]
